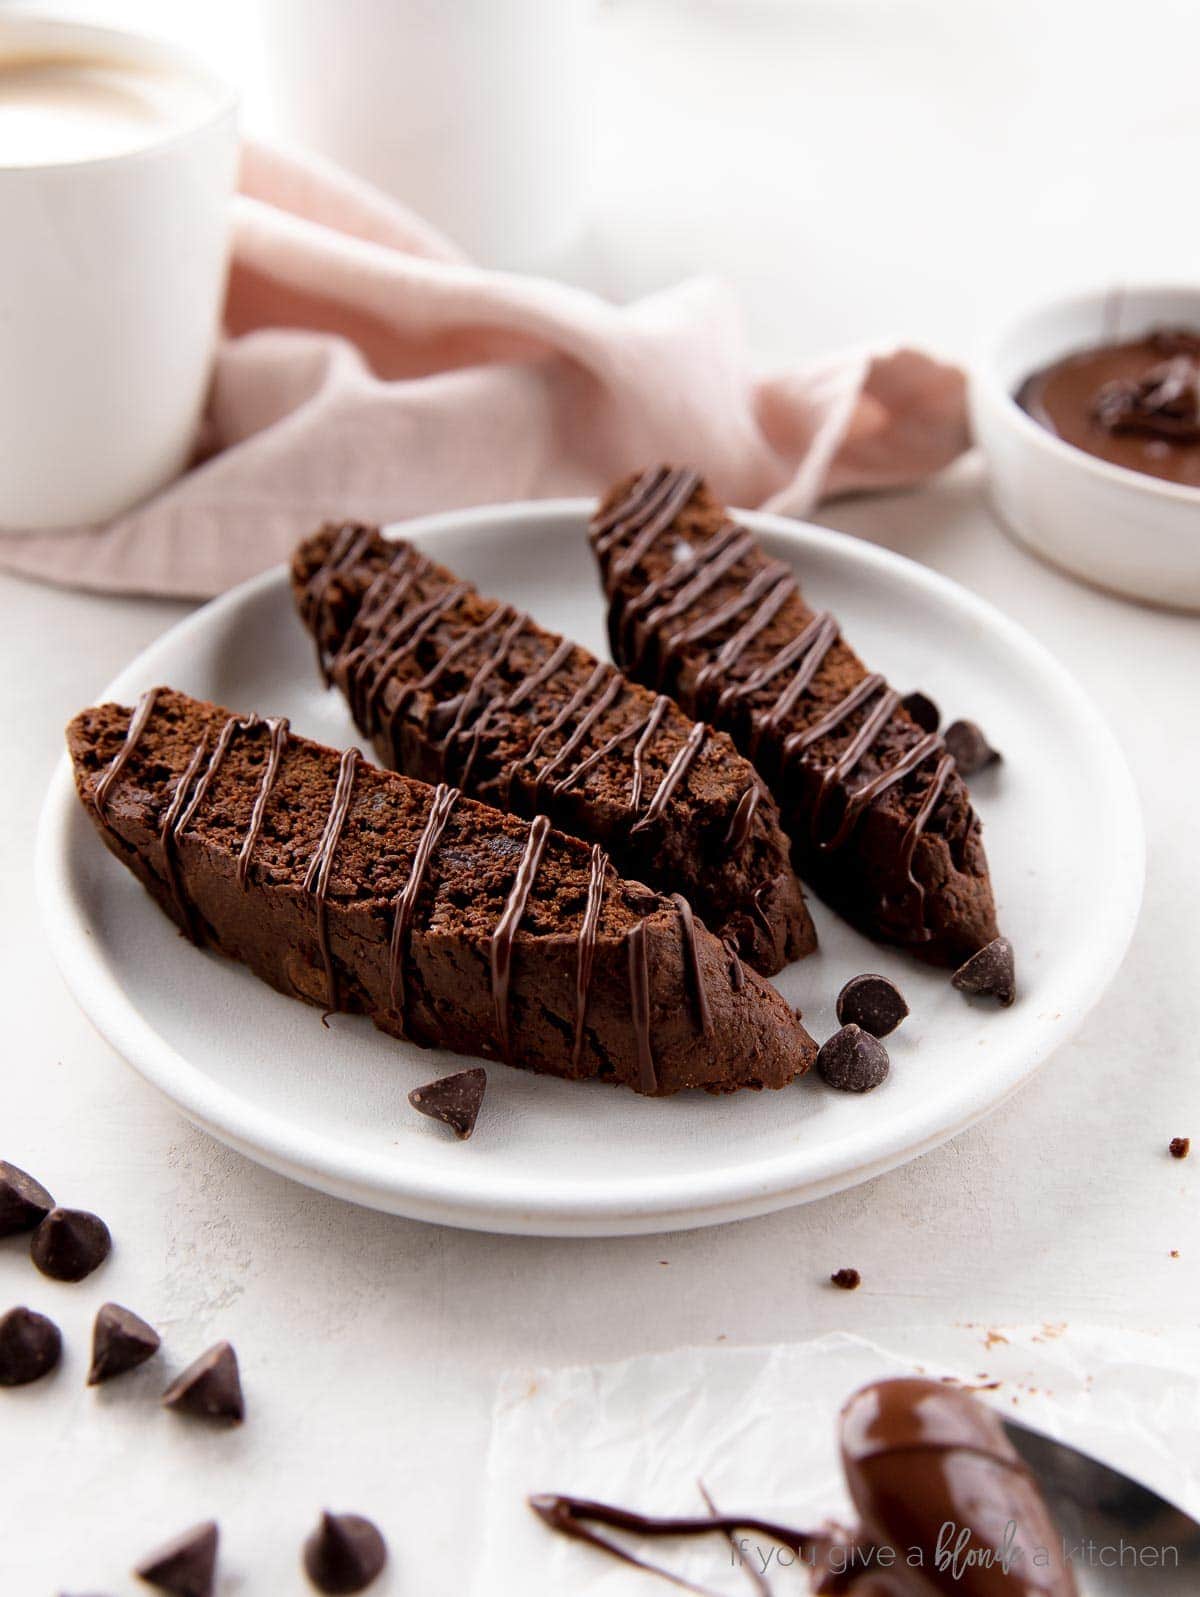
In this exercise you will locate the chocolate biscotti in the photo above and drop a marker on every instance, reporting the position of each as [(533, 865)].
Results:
[(447, 922), (451, 686), (880, 820)]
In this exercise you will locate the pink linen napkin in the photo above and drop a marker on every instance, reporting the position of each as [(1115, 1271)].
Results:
[(369, 371)]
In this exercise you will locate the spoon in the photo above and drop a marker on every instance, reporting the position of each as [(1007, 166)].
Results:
[(1124, 1539)]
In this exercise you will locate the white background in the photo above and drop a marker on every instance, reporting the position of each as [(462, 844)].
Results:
[(858, 170)]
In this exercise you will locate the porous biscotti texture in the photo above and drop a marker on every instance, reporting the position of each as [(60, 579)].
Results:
[(698, 610), (450, 685), (313, 905)]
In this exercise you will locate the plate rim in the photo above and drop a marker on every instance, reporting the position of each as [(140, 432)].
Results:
[(646, 1204)]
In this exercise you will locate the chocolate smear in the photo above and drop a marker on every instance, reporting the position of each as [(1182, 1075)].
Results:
[(922, 710), (872, 1002), (24, 1202), (968, 747), (454, 1100), (186, 1566), (991, 973), (30, 1347), (69, 1244), (577, 1517), (344, 1554), (853, 1061), (210, 1388), (121, 1341)]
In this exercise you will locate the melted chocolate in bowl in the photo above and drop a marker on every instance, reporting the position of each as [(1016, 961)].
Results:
[(1134, 404)]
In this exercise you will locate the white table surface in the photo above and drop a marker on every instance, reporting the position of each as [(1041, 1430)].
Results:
[(865, 168)]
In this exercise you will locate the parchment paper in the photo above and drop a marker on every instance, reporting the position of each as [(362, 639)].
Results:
[(757, 1427)]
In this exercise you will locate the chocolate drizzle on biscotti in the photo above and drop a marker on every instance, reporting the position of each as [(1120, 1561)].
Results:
[(168, 838), (443, 801), (367, 671), (505, 934), (461, 689), (658, 498), (710, 626), (181, 811), (277, 727), (673, 776), (743, 817), (142, 711), (642, 618), (585, 947), (639, 1006), (351, 541), (691, 960), (602, 687), (316, 878), (521, 943)]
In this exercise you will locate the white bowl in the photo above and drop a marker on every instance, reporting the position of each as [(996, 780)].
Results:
[(1121, 529)]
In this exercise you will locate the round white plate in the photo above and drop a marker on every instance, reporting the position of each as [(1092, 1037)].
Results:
[(327, 1105)]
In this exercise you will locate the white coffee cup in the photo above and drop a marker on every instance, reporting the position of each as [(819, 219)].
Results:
[(118, 157), (476, 113)]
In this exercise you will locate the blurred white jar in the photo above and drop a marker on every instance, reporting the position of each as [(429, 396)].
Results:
[(475, 113), (118, 158)]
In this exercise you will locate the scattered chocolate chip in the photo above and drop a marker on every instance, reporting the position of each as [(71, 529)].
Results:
[(24, 1202), (344, 1554), (853, 1061), (1180, 1147), (923, 711), (69, 1244), (120, 1342), (991, 973), (211, 1387), (30, 1347), (968, 747), (847, 1279), (454, 1100), (186, 1566), (872, 1002)]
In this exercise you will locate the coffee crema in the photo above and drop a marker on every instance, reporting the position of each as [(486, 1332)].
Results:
[(58, 109)]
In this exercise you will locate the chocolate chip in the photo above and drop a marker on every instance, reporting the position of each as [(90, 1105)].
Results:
[(69, 1244), (186, 1566), (991, 973), (1180, 1147), (968, 747), (923, 711), (120, 1342), (853, 1061), (454, 1100), (847, 1279), (24, 1202), (211, 1387), (872, 1002), (30, 1347), (344, 1554)]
